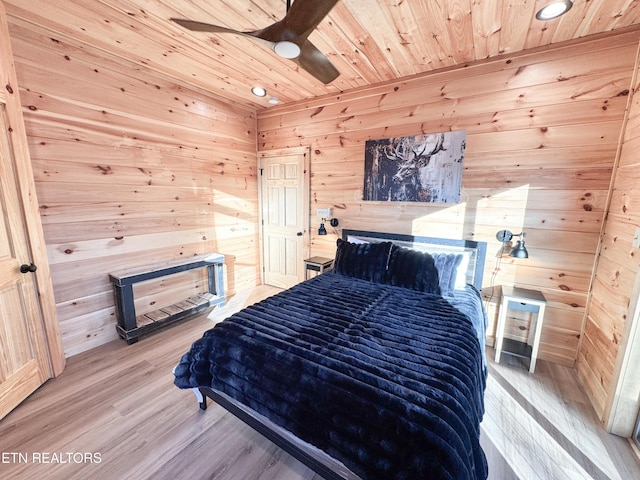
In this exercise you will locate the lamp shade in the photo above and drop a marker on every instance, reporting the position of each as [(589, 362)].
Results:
[(519, 250)]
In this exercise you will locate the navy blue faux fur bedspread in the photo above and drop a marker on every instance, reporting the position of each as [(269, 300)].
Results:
[(386, 379)]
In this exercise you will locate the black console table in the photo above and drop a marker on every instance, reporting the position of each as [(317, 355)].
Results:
[(131, 327)]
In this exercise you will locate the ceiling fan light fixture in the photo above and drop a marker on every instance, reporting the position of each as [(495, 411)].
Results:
[(286, 49), (259, 91), (554, 10), (287, 37)]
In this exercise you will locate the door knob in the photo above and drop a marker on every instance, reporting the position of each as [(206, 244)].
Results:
[(28, 268), (299, 234)]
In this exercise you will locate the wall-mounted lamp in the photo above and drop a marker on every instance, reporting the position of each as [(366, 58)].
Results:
[(519, 251), (324, 214)]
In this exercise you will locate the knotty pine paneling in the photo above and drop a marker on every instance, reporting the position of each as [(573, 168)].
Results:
[(543, 131), (131, 168), (382, 42), (615, 280)]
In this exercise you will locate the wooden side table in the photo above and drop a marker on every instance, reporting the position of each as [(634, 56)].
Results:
[(317, 264), (531, 301)]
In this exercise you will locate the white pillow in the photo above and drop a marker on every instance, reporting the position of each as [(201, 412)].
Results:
[(352, 239), (461, 272)]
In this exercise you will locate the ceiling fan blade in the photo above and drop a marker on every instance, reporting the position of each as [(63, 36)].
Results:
[(203, 27), (316, 63), (301, 19), (207, 27), (305, 15)]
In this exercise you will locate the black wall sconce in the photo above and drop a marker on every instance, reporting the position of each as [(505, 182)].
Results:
[(322, 230), (519, 251), (325, 214)]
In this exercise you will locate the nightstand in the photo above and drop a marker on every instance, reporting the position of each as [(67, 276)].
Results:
[(532, 303), (317, 264)]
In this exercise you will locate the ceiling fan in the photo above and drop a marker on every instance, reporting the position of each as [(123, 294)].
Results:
[(288, 37)]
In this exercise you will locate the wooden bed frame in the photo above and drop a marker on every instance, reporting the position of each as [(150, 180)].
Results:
[(317, 460)]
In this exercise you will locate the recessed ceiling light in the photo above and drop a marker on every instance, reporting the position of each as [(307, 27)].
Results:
[(554, 10), (259, 91), (287, 49), (274, 100)]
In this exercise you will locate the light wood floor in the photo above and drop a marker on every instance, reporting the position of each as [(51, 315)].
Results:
[(114, 414)]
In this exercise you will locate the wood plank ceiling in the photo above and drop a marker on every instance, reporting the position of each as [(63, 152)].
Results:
[(369, 41)]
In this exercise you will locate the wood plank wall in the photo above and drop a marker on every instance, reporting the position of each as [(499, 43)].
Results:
[(543, 130), (131, 168), (615, 285)]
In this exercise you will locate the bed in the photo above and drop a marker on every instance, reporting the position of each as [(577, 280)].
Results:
[(374, 370)]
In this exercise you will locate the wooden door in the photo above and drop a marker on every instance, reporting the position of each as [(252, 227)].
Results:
[(23, 355), (285, 216), (30, 346)]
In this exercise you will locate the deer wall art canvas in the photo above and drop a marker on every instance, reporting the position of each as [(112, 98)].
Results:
[(422, 168)]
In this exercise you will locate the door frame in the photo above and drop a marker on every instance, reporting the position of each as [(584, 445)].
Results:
[(622, 408), (18, 142), (306, 201)]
